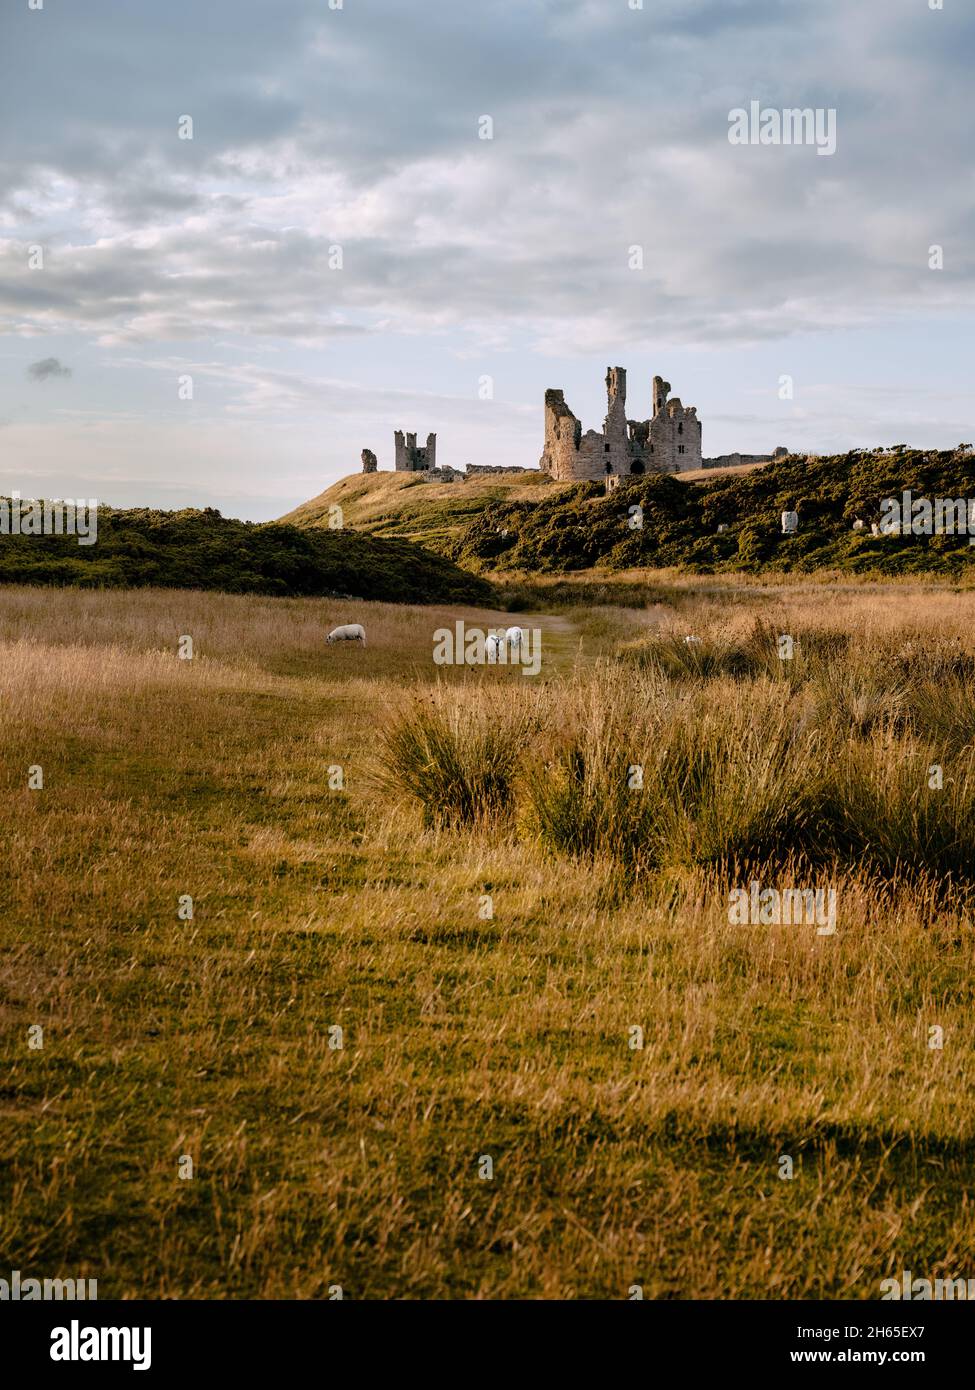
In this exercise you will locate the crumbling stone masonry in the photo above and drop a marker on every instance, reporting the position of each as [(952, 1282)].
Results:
[(668, 442), (475, 469), (370, 464), (741, 460), (409, 458)]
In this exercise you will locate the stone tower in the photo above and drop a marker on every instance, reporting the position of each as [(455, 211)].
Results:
[(661, 390), (614, 426), (409, 458), (370, 463)]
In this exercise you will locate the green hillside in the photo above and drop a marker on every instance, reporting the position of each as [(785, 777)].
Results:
[(193, 549), (432, 513), (582, 528)]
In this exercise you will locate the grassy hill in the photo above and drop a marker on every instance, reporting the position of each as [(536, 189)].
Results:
[(580, 528), (527, 524), (193, 549), (403, 505)]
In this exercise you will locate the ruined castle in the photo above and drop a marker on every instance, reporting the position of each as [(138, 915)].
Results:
[(409, 458), (669, 442)]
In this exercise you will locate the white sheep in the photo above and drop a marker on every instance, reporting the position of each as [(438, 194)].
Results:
[(492, 647), (350, 632), (515, 636)]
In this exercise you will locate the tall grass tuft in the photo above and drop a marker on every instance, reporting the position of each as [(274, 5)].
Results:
[(944, 710), (887, 809), (581, 803), (457, 759), (751, 653), (690, 781)]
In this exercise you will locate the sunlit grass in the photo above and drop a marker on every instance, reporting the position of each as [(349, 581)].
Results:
[(487, 976)]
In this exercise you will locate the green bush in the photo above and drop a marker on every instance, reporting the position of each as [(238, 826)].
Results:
[(580, 528), (193, 549)]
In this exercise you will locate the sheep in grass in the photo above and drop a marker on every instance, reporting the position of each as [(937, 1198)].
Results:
[(350, 632)]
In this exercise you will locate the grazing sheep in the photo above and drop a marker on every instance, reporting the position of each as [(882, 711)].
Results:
[(492, 647), (351, 632), (515, 636)]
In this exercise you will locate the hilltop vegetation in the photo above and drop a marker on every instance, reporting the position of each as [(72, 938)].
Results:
[(584, 528), (193, 549), (433, 514)]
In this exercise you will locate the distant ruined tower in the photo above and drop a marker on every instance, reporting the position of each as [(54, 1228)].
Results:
[(669, 442), (370, 463), (661, 390), (409, 458), (614, 426)]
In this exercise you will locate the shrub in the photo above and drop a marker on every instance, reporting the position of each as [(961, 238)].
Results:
[(193, 549)]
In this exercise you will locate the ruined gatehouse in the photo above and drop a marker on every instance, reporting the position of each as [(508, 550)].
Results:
[(668, 442)]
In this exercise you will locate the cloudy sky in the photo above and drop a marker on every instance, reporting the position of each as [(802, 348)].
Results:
[(462, 258)]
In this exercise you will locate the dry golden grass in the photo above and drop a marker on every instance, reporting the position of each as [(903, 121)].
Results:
[(464, 1036), (404, 504)]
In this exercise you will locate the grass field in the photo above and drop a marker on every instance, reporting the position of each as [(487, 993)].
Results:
[(474, 1031)]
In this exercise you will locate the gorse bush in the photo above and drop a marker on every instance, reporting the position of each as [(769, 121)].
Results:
[(193, 549), (581, 528)]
